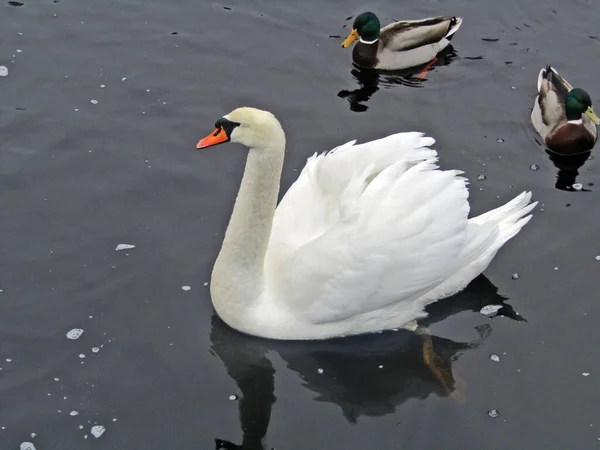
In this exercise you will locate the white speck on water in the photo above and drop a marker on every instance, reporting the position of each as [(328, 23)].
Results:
[(515, 276), (85, 436), (556, 268), (494, 357), (123, 79), (147, 90), (97, 431), (586, 374), (481, 177), (534, 167), (75, 333), (490, 310), (3, 71), (493, 413), (233, 397), (102, 86), (33, 435), (76, 109), (80, 427), (95, 350), (206, 282), (320, 370), (57, 379), (597, 259), (19, 50), (94, 102), (124, 247), (27, 446), (8, 360), (115, 419), (499, 140), (381, 366), (577, 186), (82, 355), (186, 288)]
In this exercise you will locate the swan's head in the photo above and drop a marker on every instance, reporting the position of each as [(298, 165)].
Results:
[(251, 127)]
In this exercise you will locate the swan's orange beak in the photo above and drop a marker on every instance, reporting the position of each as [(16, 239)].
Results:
[(216, 137)]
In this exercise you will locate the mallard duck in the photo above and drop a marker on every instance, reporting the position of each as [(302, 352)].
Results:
[(562, 115), (363, 241), (400, 45)]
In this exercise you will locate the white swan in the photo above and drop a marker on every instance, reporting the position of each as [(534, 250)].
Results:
[(366, 237)]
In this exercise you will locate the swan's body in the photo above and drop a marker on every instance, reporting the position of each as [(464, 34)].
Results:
[(562, 115), (399, 45), (366, 237)]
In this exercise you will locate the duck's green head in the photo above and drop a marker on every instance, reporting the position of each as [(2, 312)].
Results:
[(579, 102), (366, 26)]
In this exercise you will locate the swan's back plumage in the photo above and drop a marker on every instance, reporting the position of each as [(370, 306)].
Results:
[(375, 232)]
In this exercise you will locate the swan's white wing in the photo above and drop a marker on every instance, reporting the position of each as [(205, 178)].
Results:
[(384, 229), (311, 206)]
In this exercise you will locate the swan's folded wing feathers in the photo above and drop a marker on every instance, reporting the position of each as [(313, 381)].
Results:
[(406, 238), (312, 204)]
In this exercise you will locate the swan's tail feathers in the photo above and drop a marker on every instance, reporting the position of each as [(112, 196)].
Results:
[(510, 217)]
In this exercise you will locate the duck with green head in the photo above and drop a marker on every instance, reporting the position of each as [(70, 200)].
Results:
[(400, 45), (563, 115)]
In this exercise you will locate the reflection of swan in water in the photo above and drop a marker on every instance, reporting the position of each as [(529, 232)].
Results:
[(369, 80), (368, 375), (568, 169)]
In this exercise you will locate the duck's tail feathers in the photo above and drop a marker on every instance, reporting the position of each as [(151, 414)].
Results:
[(455, 24)]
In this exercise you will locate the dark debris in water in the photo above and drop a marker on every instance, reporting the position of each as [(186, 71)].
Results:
[(349, 17), (13, 3), (593, 37), (174, 32), (508, 62), (227, 8), (490, 39), (335, 36), (474, 57)]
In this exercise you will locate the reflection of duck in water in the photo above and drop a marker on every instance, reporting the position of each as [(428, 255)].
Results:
[(568, 169), (369, 80), (368, 375), (563, 116)]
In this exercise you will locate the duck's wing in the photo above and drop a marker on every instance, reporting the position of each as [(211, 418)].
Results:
[(367, 226), (410, 34), (552, 91)]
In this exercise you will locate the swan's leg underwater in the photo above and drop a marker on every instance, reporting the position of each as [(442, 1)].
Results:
[(452, 383)]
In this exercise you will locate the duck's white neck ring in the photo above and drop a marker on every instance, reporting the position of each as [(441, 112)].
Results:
[(367, 42)]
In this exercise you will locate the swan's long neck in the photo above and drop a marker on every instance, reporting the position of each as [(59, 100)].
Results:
[(237, 278)]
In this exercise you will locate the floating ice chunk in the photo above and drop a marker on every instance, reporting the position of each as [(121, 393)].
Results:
[(124, 247), (186, 288), (233, 397), (3, 71), (494, 357), (74, 413), (493, 413), (490, 310), (97, 431), (27, 446), (75, 333)]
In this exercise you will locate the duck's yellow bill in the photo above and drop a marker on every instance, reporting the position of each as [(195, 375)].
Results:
[(350, 39), (592, 115)]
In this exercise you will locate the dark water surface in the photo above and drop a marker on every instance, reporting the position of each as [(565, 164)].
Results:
[(78, 178)]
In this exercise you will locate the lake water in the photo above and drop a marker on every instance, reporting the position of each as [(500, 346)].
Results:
[(100, 113)]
